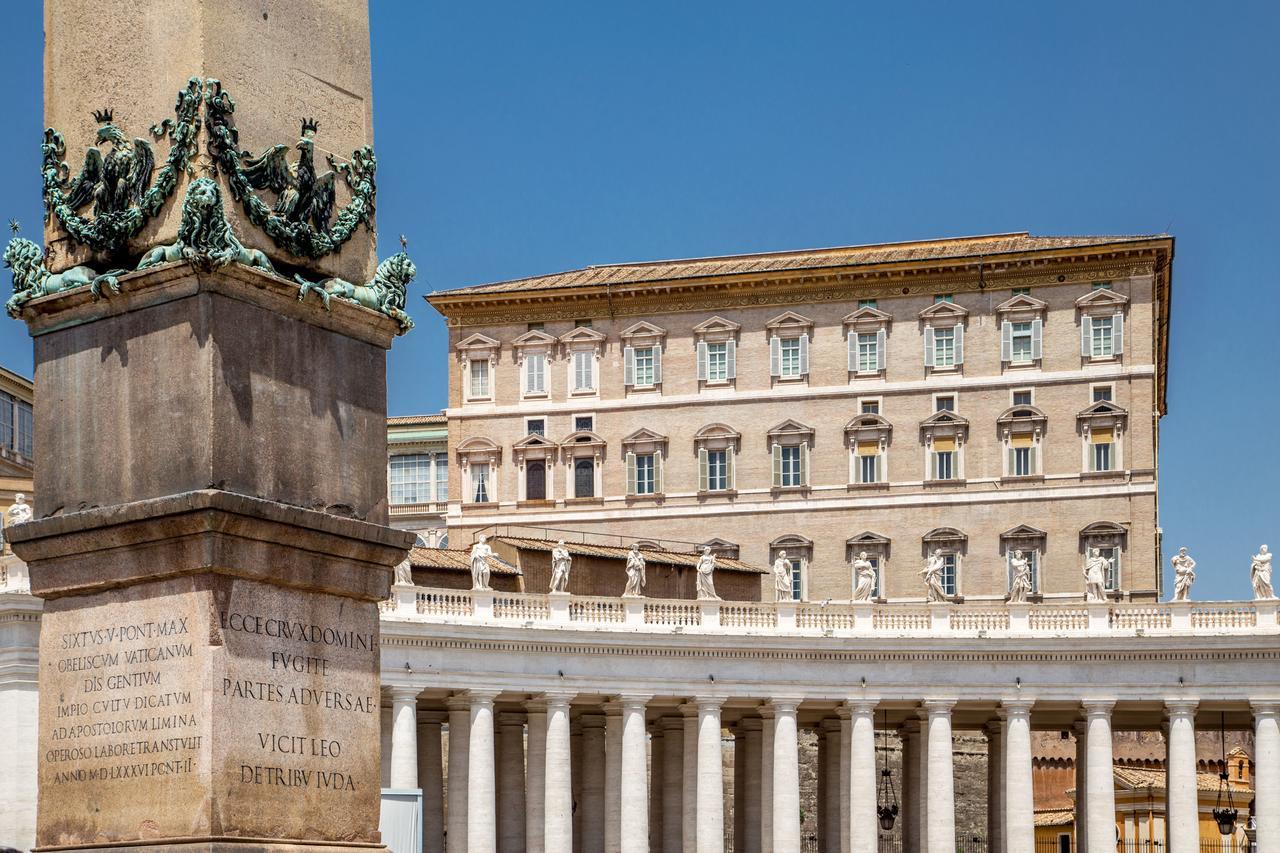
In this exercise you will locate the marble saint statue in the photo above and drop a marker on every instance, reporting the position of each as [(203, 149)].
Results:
[(782, 578), (480, 554), (1095, 576), (404, 573), (932, 574), (635, 573), (1260, 574), (706, 573), (561, 563), (864, 578), (1020, 580), (1184, 575), (20, 511)]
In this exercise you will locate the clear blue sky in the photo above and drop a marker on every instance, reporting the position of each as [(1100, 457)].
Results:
[(522, 138)]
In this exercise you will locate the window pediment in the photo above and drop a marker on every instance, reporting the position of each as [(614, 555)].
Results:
[(716, 431), (868, 427), (1103, 534), (945, 423), (1101, 301), (868, 319), (790, 432), (722, 548), (479, 449), (583, 337), (582, 438), (534, 338), (644, 439), (1023, 531), (1022, 419), (1103, 413), (1022, 305), (717, 329), (791, 540), (789, 321), (533, 446), (477, 345), (643, 333), (873, 544), (944, 314), (946, 539)]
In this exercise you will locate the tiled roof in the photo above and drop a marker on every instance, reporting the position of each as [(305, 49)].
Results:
[(1055, 817), (414, 420), (669, 558), (1135, 778), (809, 259), (450, 558)]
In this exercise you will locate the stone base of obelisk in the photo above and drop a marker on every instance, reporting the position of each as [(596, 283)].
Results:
[(209, 655)]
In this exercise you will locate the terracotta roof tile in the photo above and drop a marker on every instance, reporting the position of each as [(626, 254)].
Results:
[(451, 558), (413, 420), (1055, 817)]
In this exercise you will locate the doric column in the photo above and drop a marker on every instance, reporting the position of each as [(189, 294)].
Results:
[(689, 781), (575, 785), (786, 777), (753, 728), (511, 787), (657, 773), (821, 807), (635, 776), (613, 777), (768, 723), (846, 764), (710, 829), (671, 785), (1100, 809), (912, 796), (404, 738), (739, 786), (829, 812), (1081, 731), (1182, 807), (995, 786), (941, 795), (1019, 804), (535, 777), (864, 826), (482, 799), (459, 750), (592, 803), (558, 777), (431, 781), (1266, 780), (386, 725)]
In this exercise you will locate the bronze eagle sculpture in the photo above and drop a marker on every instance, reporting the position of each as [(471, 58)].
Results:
[(302, 195)]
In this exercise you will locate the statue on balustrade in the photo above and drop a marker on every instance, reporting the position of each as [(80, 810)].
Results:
[(1020, 579), (480, 554), (1184, 575), (782, 578), (1259, 573), (864, 578), (706, 572), (404, 573), (635, 573), (932, 574), (21, 512), (1095, 576), (561, 562)]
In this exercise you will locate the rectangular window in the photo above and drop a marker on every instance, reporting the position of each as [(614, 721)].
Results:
[(1100, 337), (870, 407), (442, 477), (1102, 393), (1103, 449), (797, 578), (1101, 285), (944, 464), (944, 347), (944, 403), (536, 326), (480, 482), (869, 468), (646, 480), (949, 574), (1022, 398), (792, 474), (717, 470), (1112, 580), (1102, 457), (536, 426), (718, 362), (643, 360), (789, 357), (582, 324), (7, 420), (26, 429), (584, 478), (867, 303), (1022, 462), (479, 380), (535, 373), (1022, 291), (944, 297), (1021, 339), (584, 370), (868, 352), (584, 423), (410, 477)]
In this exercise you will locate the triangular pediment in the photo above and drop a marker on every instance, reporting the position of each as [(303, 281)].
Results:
[(534, 337), (1102, 298), (1103, 408), (644, 435), (867, 538), (533, 440), (944, 310), (720, 544), (581, 335), (791, 427), (1021, 302), (867, 314), (643, 330), (789, 319), (867, 421), (478, 341), (716, 324), (944, 418), (1023, 531)]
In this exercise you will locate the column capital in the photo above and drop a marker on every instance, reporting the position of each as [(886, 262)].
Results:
[(482, 697), (557, 698), (403, 692), (458, 702), (936, 707), (1181, 707), (862, 706), (785, 704), (994, 727), (1097, 707), (711, 703), (909, 727), (1267, 707), (1017, 706), (633, 700)]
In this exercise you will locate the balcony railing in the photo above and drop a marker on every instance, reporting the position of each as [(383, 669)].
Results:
[(560, 610)]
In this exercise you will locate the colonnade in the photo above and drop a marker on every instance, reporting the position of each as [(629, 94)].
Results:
[(555, 772)]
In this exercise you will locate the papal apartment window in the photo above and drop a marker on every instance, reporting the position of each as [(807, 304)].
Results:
[(584, 370), (717, 467), (1102, 449), (643, 364), (943, 463), (1100, 285), (480, 489), (943, 297), (1113, 570), (410, 476), (869, 407), (718, 361), (479, 378), (536, 426), (944, 403), (869, 352), (789, 464), (1101, 339), (535, 373), (1022, 456), (1020, 340), (582, 324), (1022, 398), (535, 327), (1101, 394), (644, 474), (788, 350), (867, 303), (1021, 291), (584, 423), (1032, 556), (944, 347)]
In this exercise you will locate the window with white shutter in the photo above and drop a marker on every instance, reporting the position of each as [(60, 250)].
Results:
[(535, 373)]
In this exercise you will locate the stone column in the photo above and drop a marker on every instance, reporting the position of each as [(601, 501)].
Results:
[(846, 766), (1266, 780), (431, 781), (754, 729), (912, 796), (941, 831), (511, 783), (1019, 804), (829, 812), (386, 726), (1100, 809), (482, 800), (592, 803), (768, 724), (710, 828), (558, 781), (459, 760), (995, 786), (635, 776), (613, 777), (575, 785), (864, 825), (739, 787), (820, 803), (404, 738), (1081, 731), (672, 784), (786, 777), (657, 773), (535, 827), (1182, 808), (689, 775)]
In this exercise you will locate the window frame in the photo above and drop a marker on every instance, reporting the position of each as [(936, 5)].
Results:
[(424, 483), (716, 438)]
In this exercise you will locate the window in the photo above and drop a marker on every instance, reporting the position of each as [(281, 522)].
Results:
[(944, 458), (1021, 464), (480, 482), (1021, 291), (410, 476), (717, 468), (16, 425), (869, 352), (1113, 572), (535, 373), (643, 473), (939, 298), (867, 303), (442, 478), (584, 370), (1022, 398), (869, 407), (1101, 394), (479, 379), (584, 423), (717, 361), (1100, 285), (584, 478), (716, 445), (535, 327), (643, 363), (788, 465), (536, 426), (582, 324), (944, 403), (788, 357), (949, 573), (944, 347), (1020, 334), (1100, 338), (797, 578), (535, 481), (1102, 450), (868, 467)]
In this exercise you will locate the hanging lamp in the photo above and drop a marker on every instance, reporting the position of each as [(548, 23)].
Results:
[(1224, 816), (886, 797)]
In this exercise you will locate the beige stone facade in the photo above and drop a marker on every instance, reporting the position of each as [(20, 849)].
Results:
[(1058, 346)]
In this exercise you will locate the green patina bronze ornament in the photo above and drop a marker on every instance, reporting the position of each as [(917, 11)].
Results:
[(385, 293), (204, 235), (299, 221), (32, 279), (118, 181)]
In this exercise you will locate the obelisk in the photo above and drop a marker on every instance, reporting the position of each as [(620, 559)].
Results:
[(210, 534)]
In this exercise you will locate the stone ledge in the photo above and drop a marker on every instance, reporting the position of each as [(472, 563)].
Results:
[(228, 844), (209, 531)]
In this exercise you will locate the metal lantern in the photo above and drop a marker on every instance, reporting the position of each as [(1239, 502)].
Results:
[(1225, 815), (886, 796)]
